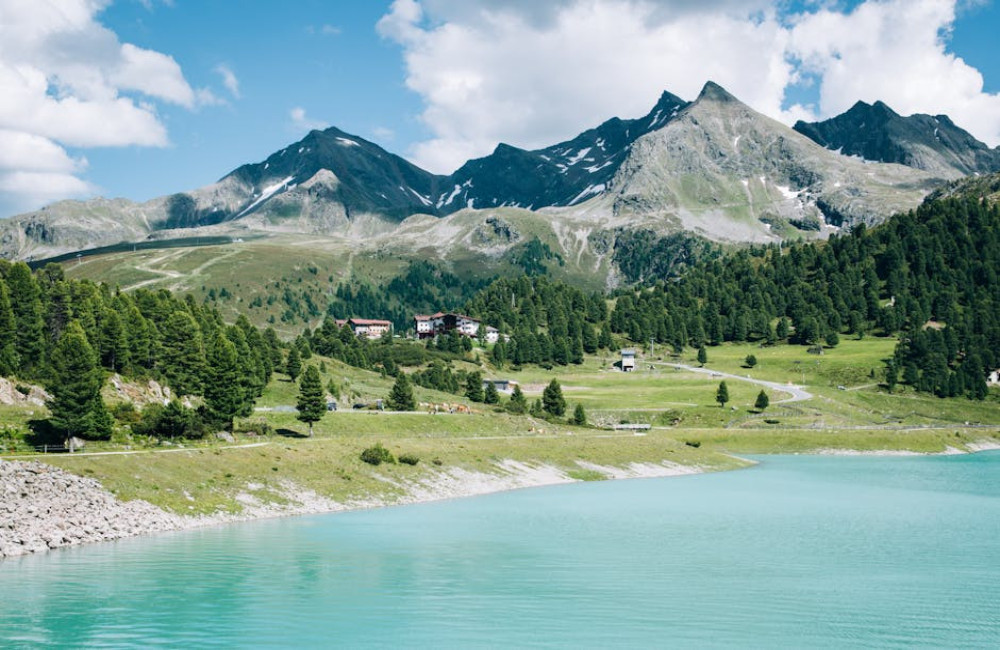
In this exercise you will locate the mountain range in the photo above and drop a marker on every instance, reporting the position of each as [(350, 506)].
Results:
[(713, 167), (929, 142)]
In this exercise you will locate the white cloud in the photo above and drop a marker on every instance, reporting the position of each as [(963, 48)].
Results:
[(383, 134), (531, 73), (302, 122), (229, 79), (895, 51), (66, 80)]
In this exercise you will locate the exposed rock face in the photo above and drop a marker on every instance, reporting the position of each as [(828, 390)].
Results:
[(42, 507), (727, 171), (929, 142), (10, 394), (713, 167)]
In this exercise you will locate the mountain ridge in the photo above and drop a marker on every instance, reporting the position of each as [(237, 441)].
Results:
[(877, 133), (713, 166)]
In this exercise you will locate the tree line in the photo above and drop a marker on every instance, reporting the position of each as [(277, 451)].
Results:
[(928, 276), (69, 334)]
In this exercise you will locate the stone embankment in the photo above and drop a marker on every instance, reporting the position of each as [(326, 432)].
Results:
[(42, 507)]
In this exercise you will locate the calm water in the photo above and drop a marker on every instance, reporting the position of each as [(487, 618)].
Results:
[(798, 552)]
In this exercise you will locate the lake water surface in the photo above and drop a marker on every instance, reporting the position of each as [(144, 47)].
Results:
[(796, 552)]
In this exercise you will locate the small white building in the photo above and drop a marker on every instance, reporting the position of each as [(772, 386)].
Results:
[(367, 327), (994, 378), (628, 360)]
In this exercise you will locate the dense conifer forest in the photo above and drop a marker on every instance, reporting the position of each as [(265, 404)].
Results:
[(68, 334)]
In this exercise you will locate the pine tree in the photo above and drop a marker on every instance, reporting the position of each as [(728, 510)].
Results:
[(114, 341), (604, 340), (222, 391), (579, 416), (76, 407), (782, 329), (183, 356), (702, 355), (474, 387), (499, 353), (8, 353), (294, 364), (312, 399), (536, 409), (553, 401), (29, 335), (401, 397), (750, 361), (722, 395), (518, 404), (490, 395), (763, 401)]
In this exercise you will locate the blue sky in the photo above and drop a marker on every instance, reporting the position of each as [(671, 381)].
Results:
[(140, 98)]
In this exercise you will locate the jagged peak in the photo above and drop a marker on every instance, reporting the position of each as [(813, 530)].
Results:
[(668, 99), (715, 93)]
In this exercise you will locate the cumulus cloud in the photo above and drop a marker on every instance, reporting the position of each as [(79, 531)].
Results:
[(531, 73), (67, 81), (895, 51), (302, 122)]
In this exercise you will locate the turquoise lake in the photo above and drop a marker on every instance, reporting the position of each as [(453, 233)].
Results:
[(800, 551)]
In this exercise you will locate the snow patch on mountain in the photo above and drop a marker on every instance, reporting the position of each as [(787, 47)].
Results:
[(268, 192)]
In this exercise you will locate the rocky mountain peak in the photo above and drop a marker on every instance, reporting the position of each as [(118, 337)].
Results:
[(713, 92)]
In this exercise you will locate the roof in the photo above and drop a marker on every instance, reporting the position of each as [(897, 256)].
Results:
[(369, 321), (628, 352)]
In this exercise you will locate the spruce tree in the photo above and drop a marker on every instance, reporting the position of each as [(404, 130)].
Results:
[(553, 401), (518, 404), (183, 357), (8, 353), (763, 401), (722, 395), (222, 391), (29, 335), (702, 355), (579, 416), (750, 361), (490, 395), (401, 397), (474, 387), (312, 399), (76, 407), (536, 409), (294, 364)]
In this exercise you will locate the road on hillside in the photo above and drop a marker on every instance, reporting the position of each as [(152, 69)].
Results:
[(798, 394)]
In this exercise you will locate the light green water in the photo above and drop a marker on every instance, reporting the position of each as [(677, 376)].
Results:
[(797, 552)]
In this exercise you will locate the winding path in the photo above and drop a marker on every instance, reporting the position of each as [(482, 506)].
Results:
[(798, 393)]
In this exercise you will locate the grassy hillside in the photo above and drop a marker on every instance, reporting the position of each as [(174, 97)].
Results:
[(847, 411)]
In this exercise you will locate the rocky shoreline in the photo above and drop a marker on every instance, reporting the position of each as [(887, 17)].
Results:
[(43, 507)]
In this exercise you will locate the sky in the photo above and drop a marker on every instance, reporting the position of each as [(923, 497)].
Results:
[(141, 98)]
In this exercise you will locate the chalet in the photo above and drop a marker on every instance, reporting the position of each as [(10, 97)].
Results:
[(493, 335), (628, 360), (440, 323), (366, 327)]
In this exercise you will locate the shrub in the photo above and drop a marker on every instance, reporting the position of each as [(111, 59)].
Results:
[(693, 443), (409, 459), (257, 427), (377, 455)]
